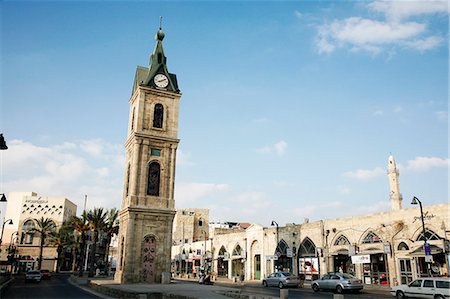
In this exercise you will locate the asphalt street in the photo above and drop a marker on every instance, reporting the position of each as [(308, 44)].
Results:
[(56, 287)]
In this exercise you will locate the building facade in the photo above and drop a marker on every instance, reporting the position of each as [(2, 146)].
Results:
[(148, 207), (23, 208), (385, 248)]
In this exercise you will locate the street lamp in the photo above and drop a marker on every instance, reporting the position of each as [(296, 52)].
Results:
[(415, 201), (276, 251), (2, 143), (9, 221)]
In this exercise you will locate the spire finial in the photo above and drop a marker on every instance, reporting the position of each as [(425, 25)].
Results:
[(160, 34)]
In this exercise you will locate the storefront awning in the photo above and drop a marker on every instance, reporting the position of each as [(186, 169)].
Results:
[(375, 251), (419, 252)]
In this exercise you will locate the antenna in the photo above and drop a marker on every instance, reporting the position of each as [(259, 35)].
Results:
[(160, 22)]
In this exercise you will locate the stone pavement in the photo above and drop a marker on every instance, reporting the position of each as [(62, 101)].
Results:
[(108, 289)]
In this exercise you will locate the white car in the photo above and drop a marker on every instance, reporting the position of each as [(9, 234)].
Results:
[(426, 287)]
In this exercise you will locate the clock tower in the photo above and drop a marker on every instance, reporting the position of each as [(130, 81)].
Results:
[(148, 207)]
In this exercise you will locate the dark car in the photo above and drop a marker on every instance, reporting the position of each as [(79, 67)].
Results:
[(281, 280), (45, 274), (338, 282)]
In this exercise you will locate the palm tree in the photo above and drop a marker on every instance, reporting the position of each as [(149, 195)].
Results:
[(111, 228), (64, 238), (45, 228), (96, 219), (80, 225)]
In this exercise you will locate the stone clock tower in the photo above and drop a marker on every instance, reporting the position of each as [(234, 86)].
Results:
[(148, 208)]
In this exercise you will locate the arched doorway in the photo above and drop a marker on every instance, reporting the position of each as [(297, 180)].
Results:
[(255, 254), (308, 262), (222, 262), (149, 259), (283, 262), (237, 264)]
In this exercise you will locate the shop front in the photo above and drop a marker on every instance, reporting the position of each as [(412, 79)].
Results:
[(308, 262), (283, 261)]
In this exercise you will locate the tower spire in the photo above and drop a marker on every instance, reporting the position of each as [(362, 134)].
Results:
[(394, 195)]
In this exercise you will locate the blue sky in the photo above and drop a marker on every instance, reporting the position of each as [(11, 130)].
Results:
[(290, 110)]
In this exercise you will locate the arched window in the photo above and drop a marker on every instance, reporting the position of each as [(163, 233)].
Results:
[(342, 240), (222, 252), (154, 174), (371, 237), (237, 250), (132, 119), (27, 232), (402, 246), (158, 116), (282, 248), (429, 234), (127, 183), (307, 248)]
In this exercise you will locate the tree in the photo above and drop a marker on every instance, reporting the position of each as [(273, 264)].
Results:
[(80, 225), (111, 228), (63, 238), (45, 228), (97, 220)]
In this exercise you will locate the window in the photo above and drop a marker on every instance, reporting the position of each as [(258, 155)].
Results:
[(186, 241), (428, 284), (155, 152), (200, 222), (403, 246), (371, 237), (158, 116), (440, 284), (127, 184), (429, 234), (342, 240), (237, 250), (153, 179), (307, 248), (416, 283)]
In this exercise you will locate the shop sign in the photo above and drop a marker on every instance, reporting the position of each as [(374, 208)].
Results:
[(271, 257), (387, 247), (289, 252), (427, 249), (361, 259), (428, 259)]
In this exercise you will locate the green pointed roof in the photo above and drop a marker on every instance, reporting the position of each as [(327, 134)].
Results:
[(158, 65)]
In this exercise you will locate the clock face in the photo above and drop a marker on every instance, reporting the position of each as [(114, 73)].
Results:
[(161, 80)]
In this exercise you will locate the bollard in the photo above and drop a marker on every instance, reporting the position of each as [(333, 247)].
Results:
[(165, 278), (284, 293), (338, 296)]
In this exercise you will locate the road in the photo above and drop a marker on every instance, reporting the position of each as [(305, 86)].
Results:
[(56, 287)]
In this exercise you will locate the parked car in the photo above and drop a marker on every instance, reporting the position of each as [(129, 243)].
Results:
[(281, 280), (338, 282), (45, 274), (427, 287), (33, 275)]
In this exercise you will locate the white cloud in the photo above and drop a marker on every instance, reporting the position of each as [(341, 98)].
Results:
[(442, 115), (279, 148), (421, 164), (365, 175), (378, 113), (398, 10), (92, 147), (184, 159), (251, 203), (298, 14), (375, 36), (344, 190), (311, 209), (187, 193), (65, 170)]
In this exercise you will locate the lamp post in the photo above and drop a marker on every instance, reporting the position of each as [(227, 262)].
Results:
[(272, 224), (415, 201), (3, 228), (2, 143)]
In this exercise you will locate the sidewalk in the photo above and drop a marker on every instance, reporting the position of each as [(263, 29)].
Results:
[(108, 289)]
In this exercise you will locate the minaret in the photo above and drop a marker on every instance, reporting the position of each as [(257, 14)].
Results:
[(148, 207), (394, 195)]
